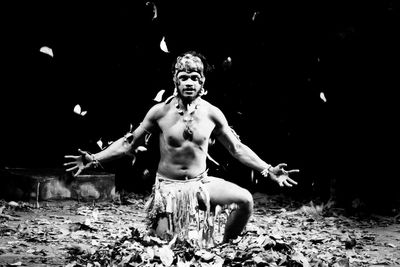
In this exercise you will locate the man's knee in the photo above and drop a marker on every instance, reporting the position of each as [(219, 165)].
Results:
[(161, 227), (246, 200)]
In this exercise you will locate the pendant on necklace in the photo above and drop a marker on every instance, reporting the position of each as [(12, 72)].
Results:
[(187, 134), (187, 119)]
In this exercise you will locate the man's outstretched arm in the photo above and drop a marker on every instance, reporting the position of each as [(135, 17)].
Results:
[(124, 146), (247, 156)]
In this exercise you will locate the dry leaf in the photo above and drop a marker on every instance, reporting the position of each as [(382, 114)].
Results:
[(46, 50), (322, 96), (150, 252), (78, 110), (163, 45), (100, 144), (342, 263), (140, 149), (391, 245), (13, 204), (166, 255), (255, 14), (299, 258), (159, 95), (205, 255), (154, 7), (181, 263)]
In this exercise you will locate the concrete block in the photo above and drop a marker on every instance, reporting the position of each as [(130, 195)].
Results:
[(55, 184)]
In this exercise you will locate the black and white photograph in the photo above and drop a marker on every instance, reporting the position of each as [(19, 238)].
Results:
[(200, 133)]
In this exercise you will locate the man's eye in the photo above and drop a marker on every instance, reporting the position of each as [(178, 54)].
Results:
[(195, 78)]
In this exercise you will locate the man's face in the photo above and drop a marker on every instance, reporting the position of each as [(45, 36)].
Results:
[(189, 84)]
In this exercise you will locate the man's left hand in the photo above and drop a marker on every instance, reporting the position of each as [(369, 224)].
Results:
[(281, 176)]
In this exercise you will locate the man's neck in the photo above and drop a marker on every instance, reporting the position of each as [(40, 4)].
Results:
[(185, 102)]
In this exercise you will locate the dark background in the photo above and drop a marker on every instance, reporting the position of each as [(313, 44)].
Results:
[(107, 58)]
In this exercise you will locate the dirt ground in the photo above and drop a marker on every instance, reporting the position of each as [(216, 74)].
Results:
[(281, 232)]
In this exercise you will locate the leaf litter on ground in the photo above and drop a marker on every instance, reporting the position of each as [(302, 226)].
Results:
[(281, 232)]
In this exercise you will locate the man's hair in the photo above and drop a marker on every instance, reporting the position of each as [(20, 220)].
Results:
[(206, 67)]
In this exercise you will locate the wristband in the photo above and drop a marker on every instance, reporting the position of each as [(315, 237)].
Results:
[(96, 163), (266, 171)]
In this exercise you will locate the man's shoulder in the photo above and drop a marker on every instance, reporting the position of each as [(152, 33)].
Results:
[(214, 112), (159, 106), (209, 105), (159, 109)]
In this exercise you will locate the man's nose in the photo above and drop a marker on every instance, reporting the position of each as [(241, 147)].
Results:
[(189, 84)]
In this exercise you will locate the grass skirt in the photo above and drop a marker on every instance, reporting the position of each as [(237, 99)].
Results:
[(179, 201)]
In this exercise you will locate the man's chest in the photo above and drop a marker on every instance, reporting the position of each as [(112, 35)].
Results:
[(179, 128)]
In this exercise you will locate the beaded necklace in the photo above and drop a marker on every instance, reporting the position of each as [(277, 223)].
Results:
[(187, 118)]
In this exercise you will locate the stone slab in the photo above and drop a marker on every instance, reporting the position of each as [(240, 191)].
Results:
[(55, 184)]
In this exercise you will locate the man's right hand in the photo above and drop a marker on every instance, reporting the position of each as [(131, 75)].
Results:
[(79, 163)]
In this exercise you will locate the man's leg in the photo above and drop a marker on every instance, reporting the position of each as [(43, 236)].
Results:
[(223, 192), (162, 229)]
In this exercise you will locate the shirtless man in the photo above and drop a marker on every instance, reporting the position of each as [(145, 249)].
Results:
[(184, 124)]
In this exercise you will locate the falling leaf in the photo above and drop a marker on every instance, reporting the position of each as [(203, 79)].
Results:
[(133, 160), (140, 149), (159, 95), (212, 160), (322, 96), (227, 63), (255, 14), (163, 45), (155, 13), (100, 144), (47, 50), (78, 110)]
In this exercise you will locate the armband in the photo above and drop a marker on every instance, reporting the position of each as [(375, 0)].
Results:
[(129, 137), (147, 131)]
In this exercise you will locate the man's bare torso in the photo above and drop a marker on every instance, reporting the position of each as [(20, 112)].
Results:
[(181, 158)]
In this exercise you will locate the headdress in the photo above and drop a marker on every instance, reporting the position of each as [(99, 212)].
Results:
[(189, 63)]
